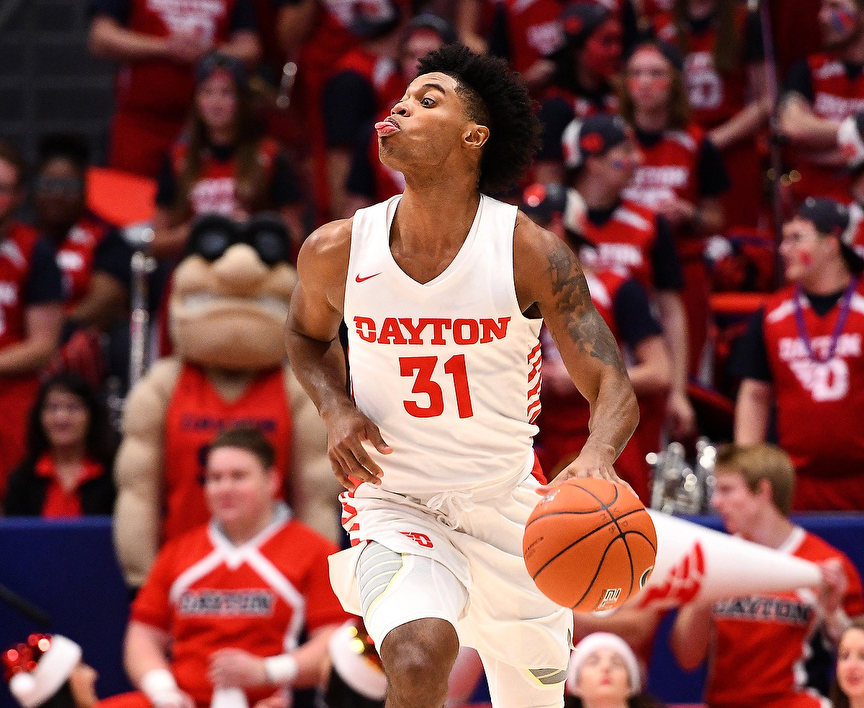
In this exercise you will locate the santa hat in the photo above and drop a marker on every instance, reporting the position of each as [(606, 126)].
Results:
[(38, 668), (603, 640), (355, 659)]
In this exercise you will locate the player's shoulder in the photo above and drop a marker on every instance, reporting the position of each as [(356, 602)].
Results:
[(326, 250)]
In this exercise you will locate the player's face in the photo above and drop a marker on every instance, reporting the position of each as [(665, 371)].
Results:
[(737, 506), (839, 21), (649, 79), (216, 99), (59, 193), (425, 127), (238, 489), (603, 676), (803, 249), (10, 194), (64, 419), (850, 664)]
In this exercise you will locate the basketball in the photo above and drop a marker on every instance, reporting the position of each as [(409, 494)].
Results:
[(589, 545)]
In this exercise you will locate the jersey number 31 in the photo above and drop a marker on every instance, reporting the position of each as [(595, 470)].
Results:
[(425, 366)]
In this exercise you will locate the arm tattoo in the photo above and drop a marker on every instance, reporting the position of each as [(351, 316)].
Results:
[(582, 322)]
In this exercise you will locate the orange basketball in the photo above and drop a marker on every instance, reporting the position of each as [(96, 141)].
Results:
[(589, 544)]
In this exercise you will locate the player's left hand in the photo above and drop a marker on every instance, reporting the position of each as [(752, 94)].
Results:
[(235, 667), (593, 461)]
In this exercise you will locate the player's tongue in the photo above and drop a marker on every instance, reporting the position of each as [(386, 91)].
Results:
[(385, 127)]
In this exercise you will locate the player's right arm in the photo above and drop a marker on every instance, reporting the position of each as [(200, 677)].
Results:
[(317, 358)]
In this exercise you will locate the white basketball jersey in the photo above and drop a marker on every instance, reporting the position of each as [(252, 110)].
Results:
[(449, 370)]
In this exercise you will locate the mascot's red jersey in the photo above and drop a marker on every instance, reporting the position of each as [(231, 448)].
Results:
[(196, 413)]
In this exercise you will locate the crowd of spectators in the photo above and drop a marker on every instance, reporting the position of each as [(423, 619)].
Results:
[(705, 158)]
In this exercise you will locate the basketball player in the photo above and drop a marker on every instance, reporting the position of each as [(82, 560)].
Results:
[(443, 289)]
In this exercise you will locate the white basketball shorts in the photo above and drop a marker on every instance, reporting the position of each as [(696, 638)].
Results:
[(477, 581)]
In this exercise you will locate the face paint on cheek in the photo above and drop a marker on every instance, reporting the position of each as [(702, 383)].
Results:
[(806, 259)]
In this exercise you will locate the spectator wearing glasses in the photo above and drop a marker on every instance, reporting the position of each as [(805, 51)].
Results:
[(802, 357)]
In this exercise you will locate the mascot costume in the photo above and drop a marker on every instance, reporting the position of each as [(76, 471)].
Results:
[(227, 308)]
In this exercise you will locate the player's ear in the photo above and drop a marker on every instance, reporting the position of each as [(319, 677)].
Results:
[(475, 135)]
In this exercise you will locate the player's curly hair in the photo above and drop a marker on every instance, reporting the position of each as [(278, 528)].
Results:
[(496, 97)]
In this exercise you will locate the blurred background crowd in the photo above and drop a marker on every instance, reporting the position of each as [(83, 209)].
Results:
[(163, 161)]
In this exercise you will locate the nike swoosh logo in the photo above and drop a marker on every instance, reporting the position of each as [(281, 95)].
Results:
[(360, 280)]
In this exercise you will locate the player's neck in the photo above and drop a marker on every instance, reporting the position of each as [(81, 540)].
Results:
[(827, 281), (440, 213)]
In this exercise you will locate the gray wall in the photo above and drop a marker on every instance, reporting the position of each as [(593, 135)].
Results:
[(48, 81)]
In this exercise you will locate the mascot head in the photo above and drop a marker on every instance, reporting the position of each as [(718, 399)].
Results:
[(231, 292)]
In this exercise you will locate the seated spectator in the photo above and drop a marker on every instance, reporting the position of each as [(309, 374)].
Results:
[(604, 673), (92, 255), (819, 92), (582, 82), (725, 76), (67, 470), (222, 165), (848, 689), (681, 175), (802, 357), (157, 45), (757, 646), (601, 159), (47, 672), (224, 605), (31, 311)]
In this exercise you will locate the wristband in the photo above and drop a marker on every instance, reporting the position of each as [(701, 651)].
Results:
[(159, 686), (281, 669)]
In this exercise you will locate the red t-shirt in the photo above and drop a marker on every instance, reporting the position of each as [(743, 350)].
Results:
[(759, 643), (820, 404), (208, 594)]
